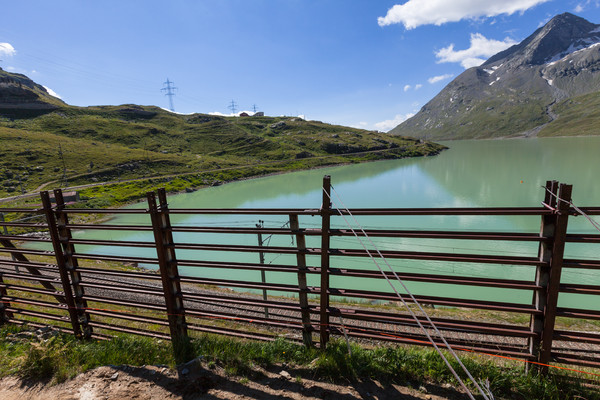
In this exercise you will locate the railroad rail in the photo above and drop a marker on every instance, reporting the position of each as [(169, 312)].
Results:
[(324, 284)]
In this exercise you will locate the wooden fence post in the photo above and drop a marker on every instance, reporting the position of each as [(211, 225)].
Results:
[(556, 261), (61, 263), (325, 234), (542, 273), (163, 237), (302, 284)]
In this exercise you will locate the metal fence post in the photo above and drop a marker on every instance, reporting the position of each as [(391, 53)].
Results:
[(5, 230), (325, 234), (261, 258), (71, 263), (542, 273), (167, 263), (4, 303), (61, 263), (556, 261), (20, 258), (302, 284)]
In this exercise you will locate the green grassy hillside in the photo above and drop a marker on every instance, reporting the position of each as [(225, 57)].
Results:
[(115, 143), (577, 116)]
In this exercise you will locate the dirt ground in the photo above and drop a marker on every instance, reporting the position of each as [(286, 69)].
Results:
[(197, 380)]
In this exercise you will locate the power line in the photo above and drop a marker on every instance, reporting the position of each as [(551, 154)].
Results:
[(62, 158), (232, 106), (254, 107), (169, 92)]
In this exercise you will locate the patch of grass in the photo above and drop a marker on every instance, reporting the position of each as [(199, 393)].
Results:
[(243, 355), (406, 364), (577, 116), (503, 115), (63, 356)]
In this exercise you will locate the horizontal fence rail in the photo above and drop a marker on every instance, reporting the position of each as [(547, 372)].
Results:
[(174, 273)]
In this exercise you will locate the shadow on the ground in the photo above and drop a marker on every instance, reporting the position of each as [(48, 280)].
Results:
[(195, 380)]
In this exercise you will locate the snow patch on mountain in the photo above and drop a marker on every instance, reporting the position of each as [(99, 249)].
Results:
[(584, 44)]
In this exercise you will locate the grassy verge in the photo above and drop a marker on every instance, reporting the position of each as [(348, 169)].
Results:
[(61, 357)]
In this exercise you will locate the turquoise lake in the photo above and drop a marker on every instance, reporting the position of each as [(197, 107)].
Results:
[(484, 173)]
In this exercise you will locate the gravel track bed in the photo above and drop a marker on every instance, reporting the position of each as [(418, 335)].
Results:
[(247, 318)]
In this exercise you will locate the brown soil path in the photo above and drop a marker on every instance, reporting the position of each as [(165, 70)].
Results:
[(196, 380)]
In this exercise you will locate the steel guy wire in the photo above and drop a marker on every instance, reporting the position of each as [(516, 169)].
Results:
[(592, 221), (502, 252), (413, 299), (345, 335)]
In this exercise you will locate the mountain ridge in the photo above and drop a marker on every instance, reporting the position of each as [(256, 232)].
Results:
[(513, 93), (21, 96)]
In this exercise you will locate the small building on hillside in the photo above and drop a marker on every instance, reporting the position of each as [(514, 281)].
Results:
[(69, 197), (259, 114), (244, 114)]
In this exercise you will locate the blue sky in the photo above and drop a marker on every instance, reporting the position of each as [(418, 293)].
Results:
[(362, 63)]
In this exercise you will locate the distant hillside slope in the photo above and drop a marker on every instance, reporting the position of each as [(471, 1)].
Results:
[(517, 91), (44, 139), (21, 97)]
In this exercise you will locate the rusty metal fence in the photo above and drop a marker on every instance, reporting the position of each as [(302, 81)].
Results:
[(162, 286)]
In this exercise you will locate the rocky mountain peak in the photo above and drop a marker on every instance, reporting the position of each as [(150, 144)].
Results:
[(516, 91), (563, 34)]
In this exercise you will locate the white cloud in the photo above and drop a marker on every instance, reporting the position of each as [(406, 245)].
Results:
[(543, 22), (414, 13), (6, 49), (223, 115), (438, 78), (581, 6), (472, 57), (415, 87), (389, 124), (52, 92), (175, 112), (360, 125), (16, 70), (237, 114)]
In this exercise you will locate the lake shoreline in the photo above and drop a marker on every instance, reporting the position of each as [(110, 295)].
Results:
[(277, 173)]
